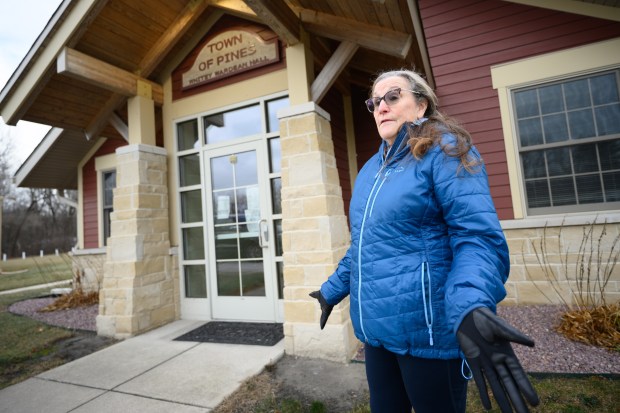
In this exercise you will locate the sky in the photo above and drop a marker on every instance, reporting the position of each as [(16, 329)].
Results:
[(21, 22)]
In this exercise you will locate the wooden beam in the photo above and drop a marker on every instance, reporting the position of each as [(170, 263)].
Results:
[(365, 35), (120, 126), (171, 36), (80, 66), (335, 65), (236, 8), (279, 17), (101, 119)]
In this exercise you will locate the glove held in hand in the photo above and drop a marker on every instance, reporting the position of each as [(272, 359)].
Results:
[(485, 340), (326, 309)]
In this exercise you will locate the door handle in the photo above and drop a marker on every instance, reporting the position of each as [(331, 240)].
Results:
[(263, 233)]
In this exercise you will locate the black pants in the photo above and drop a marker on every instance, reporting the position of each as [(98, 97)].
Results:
[(398, 383)]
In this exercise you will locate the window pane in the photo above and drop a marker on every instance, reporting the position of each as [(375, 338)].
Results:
[(534, 164), (610, 154), (611, 181), (246, 169), (228, 279), (581, 124), (537, 194), (280, 270), (604, 89), (526, 103), (277, 224), (234, 124), (253, 278), (589, 188), (226, 246), (222, 172), (191, 206), (275, 155), (562, 191), (558, 161), (584, 158), (273, 125), (187, 135), (249, 246), (195, 281), (555, 127), (248, 203), (530, 132), (224, 207), (608, 119), (551, 99), (189, 170), (276, 195), (109, 183), (193, 244), (577, 94)]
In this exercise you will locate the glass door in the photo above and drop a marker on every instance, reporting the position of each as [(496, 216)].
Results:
[(239, 241)]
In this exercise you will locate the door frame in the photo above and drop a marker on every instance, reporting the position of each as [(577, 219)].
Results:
[(261, 308)]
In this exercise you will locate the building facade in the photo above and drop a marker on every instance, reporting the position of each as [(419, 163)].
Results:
[(214, 145)]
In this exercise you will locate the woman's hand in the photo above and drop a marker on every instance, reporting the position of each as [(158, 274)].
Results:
[(485, 340), (326, 309)]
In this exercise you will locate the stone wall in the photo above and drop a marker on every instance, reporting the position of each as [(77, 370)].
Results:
[(563, 264), (315, 234)]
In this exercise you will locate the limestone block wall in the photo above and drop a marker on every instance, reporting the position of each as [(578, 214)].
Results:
[(87, 267), (563, 264), (138, 291), (315, 234)]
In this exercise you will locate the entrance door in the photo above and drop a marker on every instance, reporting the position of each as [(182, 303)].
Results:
[(240, 276)]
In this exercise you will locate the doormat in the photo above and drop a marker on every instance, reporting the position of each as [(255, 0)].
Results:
[(256, 334)]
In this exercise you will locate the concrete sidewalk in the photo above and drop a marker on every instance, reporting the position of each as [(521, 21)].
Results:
[(148, 373)]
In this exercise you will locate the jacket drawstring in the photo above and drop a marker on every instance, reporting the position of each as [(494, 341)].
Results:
[(464, 364), (428, 315)]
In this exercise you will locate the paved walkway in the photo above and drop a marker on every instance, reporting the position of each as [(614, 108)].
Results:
[(147, 373)]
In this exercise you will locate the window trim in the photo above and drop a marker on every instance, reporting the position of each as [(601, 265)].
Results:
[(533, 71), (103, 164)]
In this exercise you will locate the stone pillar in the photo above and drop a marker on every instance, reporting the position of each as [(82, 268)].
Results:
[(137, 292), (315, 234)]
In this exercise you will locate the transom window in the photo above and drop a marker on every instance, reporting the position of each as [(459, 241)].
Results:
[(569, 143)]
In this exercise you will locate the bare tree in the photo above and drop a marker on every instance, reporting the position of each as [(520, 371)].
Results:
[(33, 219)]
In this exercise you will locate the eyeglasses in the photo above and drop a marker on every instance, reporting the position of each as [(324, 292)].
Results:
[(391, 98)]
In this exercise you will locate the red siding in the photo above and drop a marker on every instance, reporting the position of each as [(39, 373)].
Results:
[(466, 37), (90, 193)]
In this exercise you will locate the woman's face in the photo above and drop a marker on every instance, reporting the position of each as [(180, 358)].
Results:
[(389, 119)]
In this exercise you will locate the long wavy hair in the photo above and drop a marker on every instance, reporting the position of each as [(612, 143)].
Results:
[(423, 137)]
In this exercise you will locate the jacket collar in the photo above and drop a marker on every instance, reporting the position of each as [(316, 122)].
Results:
[(400, 147)]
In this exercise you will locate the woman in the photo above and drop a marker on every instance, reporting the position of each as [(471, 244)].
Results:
[(428, 261)]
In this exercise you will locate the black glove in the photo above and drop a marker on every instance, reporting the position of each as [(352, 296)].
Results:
[(326, 309), (485, 340)]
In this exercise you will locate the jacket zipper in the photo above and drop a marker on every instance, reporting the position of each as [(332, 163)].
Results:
[(371, 197), (428, 315)]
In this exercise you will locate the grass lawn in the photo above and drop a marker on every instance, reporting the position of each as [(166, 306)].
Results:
[(27, 346), (17, 272)]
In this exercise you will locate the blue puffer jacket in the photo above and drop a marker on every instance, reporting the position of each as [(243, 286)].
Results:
[(426, 249)]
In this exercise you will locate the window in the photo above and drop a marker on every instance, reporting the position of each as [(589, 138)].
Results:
[(568, 136), (559, 115), (109, 183)]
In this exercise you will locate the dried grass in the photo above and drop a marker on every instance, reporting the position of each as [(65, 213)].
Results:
[(76, 298), (598, 326)]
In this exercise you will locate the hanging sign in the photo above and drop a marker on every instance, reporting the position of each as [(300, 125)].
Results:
[(230, 53)]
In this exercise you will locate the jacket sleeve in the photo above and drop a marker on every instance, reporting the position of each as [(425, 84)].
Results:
[(480, 263), (338, 285)]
